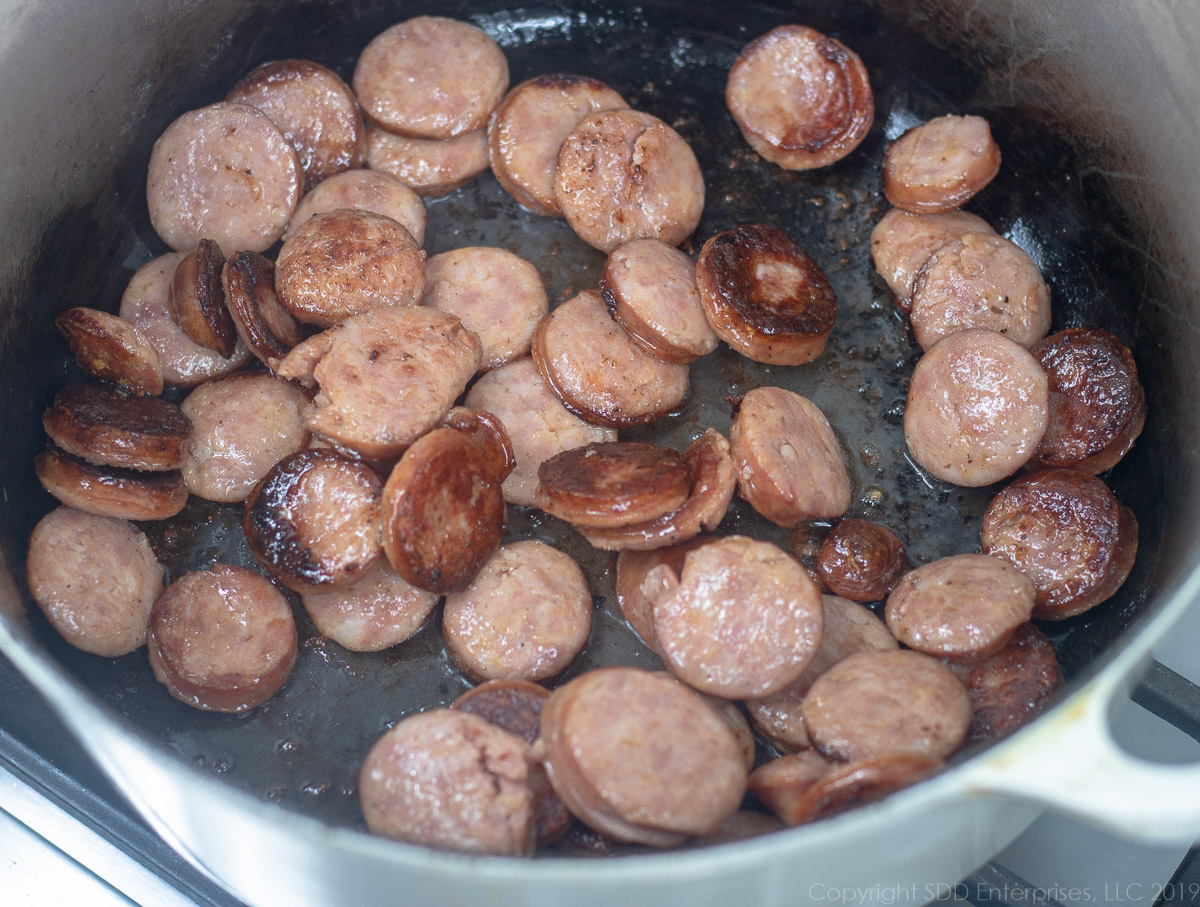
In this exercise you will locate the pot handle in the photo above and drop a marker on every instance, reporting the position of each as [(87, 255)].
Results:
[(1069, 760)]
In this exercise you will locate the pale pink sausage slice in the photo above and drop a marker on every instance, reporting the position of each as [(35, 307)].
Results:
[(789, 465), (745, 619), (112, 491), (963, 607), (222, 639), (431, 77), (782, 783), (378, 610), (980, 280), (530, 126), (111, 348), (977, 408), (536, 421), (95, 578), (642, 576), (623, 175), (598, 371), (430, 167), (385, 377), (650, 289), (902, 242), (498, 295), (450, 779), (526, 615), (241, 427), (226, 173), (940, 165), (368, 190)]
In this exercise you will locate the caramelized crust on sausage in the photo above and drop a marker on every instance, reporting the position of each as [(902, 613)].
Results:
[(861, 561), (109, 490), (111, 348), (108, 426), (197, 299), (489, 433), (262, 321)]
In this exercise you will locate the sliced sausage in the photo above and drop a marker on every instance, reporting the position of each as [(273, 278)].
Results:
[(498, 295), (196, 299), (861, 561), (109, 426), (449, 779), (144, 305), (489, 434), (623, 175), (961, 608), (262, 322), (126, 494), (385, 377), (789, 465), (801, 99), (739, 725), (940, 165), (536, 421), (347, 262), (111, 348), (313, 520), (743, 620), (1097, 405), (980, 280), (600, 373), (226, 173), (222, 639), (642, 576), (612, 484), (95, 578), (713, 484), (368, 190), (529, 127), (782, 783), (650, 290), (902, 241), (877, 703), (314, 109), (765, 296), (376, 611), (527, 614), (740, 826), (638, 756), (977, 408), (861, 781), (431, 77), (1067, 532), (443, 511), (241, 427), (430, 167)]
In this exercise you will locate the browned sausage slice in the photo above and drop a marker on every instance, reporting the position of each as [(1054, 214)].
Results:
[(313, 520), (977, 408), (127, 494), (347, 262), (782, 783), (1067, 532), (385, 377), (111, 348), (529, 127), (1097, 405), (962, 608), (861, 781), (431, 77), (95, 578), (226, 173), (314, 109), (623, 175), (489, 434), (108, 426), (443, 512), (222, 640), (598, 371), (377, 610), (527, 614), (861, 561), (642, 576), (262, 322), (801, 99), (765, 296), (449, 779), (940, 165), (369, 190), (902, 242), (650, 289), (196, 299), (875, 703), (789, 464), (612, 484), (430, 167)]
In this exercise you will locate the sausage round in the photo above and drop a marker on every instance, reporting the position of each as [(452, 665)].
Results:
[(861, 561), (111, 491), (111, 348), (902, 241), (368, 190), (977, 408), (940, 165), (623, 175), (109, 426), (95, 578), (226, 173), (430, 167), (765, 296), (801, 99), (1067, 532), (489, 435), (262, 322), (222, 639), (376, 611), (526, 614), (642, 576), (781, 784), (196, 299)]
